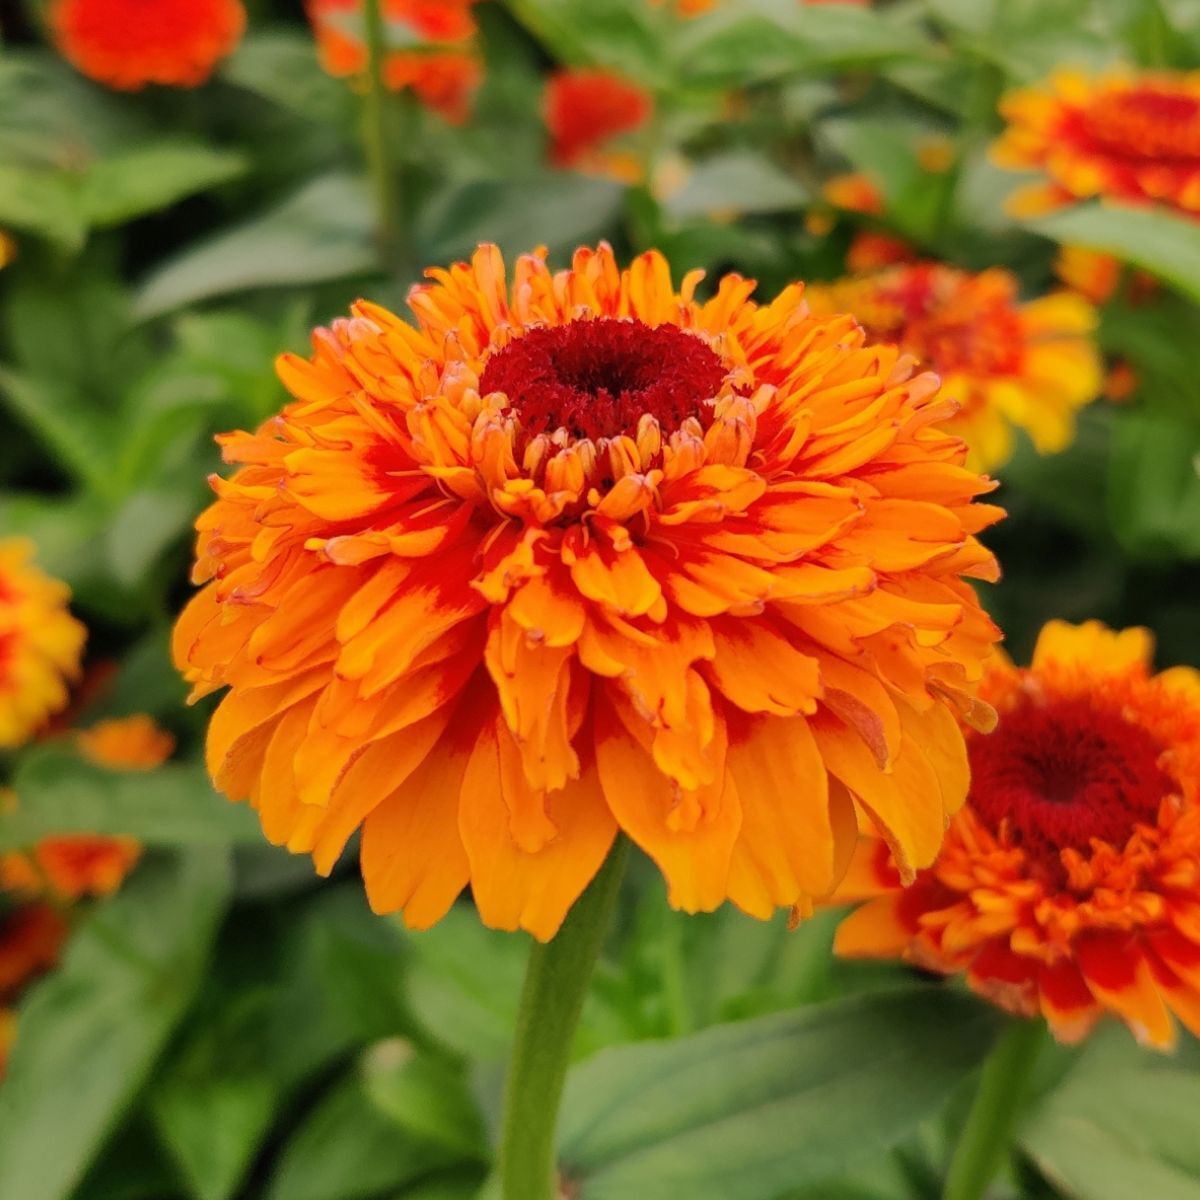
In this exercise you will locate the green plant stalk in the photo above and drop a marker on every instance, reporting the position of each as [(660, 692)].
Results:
[(389, 212), (556, 982), (987, 1136)]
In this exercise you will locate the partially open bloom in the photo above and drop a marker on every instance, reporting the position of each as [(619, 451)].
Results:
[(40, 644), (1070, 884), (127, 44), (438, 61), (585, 110), (1005, 363), (1128, 137), (580, 552)]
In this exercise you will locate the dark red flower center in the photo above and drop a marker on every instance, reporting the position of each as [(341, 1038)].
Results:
[(595, 378), (1147, 122), (1065, 772)]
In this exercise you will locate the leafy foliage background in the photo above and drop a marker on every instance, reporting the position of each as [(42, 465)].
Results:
[(229, 1027)]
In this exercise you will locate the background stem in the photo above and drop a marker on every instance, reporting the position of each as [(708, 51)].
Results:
[(556, 982), (389, 213), (987, 1136)]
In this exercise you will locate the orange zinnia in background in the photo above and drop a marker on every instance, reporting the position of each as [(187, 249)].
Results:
[(1121, 136), (40, 644), (128, 43), (443, 68), (1070, 885), (1005, 363), (580, 552), (585, 110)]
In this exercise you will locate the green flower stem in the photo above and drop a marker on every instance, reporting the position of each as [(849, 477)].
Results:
[(385, 180), (556, 982), (987, 1136)]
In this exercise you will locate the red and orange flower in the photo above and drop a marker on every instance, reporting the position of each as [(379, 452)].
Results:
[(31, 938), (442, 67), (1070, 884), (578, 553), (1005, 363), (1128, 137), (40, 644), (128, 44), (585, 110)]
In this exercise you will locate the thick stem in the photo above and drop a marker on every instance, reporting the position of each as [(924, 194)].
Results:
[(389, 214), (556, 982), (987, 1136)]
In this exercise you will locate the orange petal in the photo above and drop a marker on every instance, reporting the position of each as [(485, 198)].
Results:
[(1119, 977), (876, 930)]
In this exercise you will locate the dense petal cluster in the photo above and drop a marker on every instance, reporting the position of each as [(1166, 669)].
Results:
[(585, 110), (1128, 137), (439, 60), (1070, 884), (40, 644), (128, 44), (1005, 363), (698, 575)]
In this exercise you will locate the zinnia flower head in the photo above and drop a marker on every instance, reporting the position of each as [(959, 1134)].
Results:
[(1128, 137), (40, 644), (1070, 884), (443, 72), (586, 109), (1006, 363), (127, 44), (580, 552), (133, 743)]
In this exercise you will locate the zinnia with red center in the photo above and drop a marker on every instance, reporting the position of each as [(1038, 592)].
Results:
[(128, 44), (1070, 885), (579, 552), (1005, 363), (585, 111), (40, 644), (442, 68), (1121, 136)]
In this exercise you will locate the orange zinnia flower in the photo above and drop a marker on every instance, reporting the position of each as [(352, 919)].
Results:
[(577, 553), (855, 192), (1134, 138), (1005, 363), (40, 644), (128, 43), (71, 867), (1070, 885), (443, 72), (585, 109), (127, 743)]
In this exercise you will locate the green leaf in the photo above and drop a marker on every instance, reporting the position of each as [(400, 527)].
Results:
[(347, 1149), (44, 201), (1154, 485), (619, 34), (321, 232), (560, 210), (215, 1101), (59, 791), (426, 1095), (1158, 242), (738, 181), (92, 1031), (152, 177), (756, 1108), (281, 65)]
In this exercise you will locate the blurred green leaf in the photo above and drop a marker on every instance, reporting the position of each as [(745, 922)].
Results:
[(560, 210), (1154, 485), (45, 201), (761, 1106), (347, 1149), (323, 231), (737, 181), (152, 177), (624, 35), (215, 1101), (1165, 245), (281, 65), (91, 1032), (59, 791), (426, 1095)]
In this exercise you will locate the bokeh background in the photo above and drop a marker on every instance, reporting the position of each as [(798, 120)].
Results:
[(227, 1026)]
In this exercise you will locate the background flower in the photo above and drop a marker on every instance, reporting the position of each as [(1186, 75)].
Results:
[(1068, 886)]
